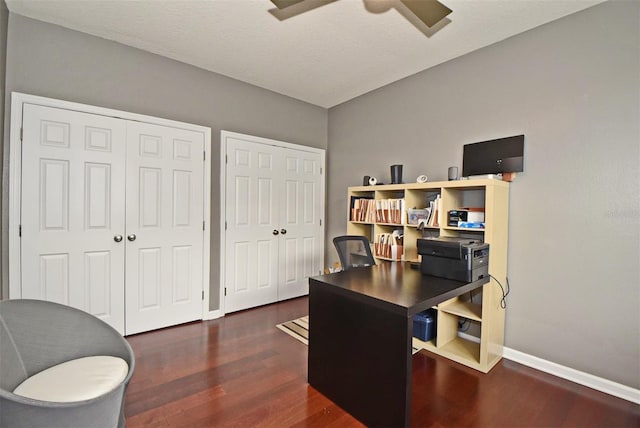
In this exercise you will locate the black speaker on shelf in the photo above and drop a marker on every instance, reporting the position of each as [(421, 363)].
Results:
[(396, 174)]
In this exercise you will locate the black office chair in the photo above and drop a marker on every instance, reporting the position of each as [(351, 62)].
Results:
[(354, 251)]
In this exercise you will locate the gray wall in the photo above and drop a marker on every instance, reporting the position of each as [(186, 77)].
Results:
[(573, 88), (51, 61)]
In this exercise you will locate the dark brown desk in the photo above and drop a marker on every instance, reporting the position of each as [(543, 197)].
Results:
[(360, 330)]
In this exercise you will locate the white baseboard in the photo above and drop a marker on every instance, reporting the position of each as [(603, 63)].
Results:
[(586, 379), (599, 384), (469, 337)]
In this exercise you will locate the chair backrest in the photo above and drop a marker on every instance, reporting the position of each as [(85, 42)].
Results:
[(36, 335), (353, 251), (12, 370), (43, 334)]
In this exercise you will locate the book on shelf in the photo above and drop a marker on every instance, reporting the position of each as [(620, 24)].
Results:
[(363, 209), (388, 246), (435, 206), (390, 211)]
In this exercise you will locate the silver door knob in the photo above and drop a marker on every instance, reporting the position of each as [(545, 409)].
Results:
[(275, 232), (131, 237), (117, 238), (283, 231)]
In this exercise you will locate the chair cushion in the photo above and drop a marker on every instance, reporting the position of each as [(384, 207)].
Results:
[(75, 380)]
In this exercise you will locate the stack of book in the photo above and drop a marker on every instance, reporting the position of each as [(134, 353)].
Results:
[(390, 211), (363, 209), (388, 246), (435, 206)]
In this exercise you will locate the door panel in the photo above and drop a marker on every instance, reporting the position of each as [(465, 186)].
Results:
[(97, 279), (54, 194), (72, 207), (150, 187), (182, 273), (301, 249), (182, 198), (54, 278), (97, 196), (251, 270), (149, 262), (165, 214)]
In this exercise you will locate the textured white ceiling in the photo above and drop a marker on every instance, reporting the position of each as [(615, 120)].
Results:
[(325, 56)]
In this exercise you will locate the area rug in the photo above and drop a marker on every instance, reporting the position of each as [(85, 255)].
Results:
[(299, 329)]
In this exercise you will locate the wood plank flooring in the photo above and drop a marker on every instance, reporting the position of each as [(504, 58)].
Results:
[(241, 371)]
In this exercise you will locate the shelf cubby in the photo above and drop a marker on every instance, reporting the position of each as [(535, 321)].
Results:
[(460, 308), (461, 350)]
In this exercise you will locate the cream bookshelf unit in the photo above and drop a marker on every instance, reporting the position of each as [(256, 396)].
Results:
[(482, 309)]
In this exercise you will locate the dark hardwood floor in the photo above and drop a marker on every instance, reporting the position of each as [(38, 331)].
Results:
[(241, 371)]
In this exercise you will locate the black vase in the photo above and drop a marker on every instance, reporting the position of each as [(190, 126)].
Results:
[(396, 174)]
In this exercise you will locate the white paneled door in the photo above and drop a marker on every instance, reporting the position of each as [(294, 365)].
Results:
[(274, 236), (112, 217), (251, 270), (301, 243), (73, 177), (164, 226)]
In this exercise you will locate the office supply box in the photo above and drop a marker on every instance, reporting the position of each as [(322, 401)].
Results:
[(464, 215), (424, 325), (454, 258)]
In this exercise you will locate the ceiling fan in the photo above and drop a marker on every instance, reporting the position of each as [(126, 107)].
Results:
[(430, 12)]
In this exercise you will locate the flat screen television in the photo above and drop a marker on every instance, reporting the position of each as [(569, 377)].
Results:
[(493, 156)]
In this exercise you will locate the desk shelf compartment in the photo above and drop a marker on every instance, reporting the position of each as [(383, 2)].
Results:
[(462, 308), (455, 198), (449, 343), (462, 351), (421, 344)]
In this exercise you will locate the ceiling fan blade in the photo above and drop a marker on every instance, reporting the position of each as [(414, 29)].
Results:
[(281, 4), (428, 11)]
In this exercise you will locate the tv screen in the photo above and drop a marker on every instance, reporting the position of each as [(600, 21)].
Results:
[(493, 156)]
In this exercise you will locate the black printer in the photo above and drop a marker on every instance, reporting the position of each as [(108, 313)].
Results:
[(454, 258)]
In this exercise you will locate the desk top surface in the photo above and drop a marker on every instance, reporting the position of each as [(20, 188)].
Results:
[(397, 287)]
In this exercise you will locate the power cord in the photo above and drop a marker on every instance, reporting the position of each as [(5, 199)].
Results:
[(503, 301), (463, 326)]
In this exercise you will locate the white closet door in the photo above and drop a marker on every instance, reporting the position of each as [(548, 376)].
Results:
[(273, 206), (165, 168), (251, 253), (72, 208), (301, 245)]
